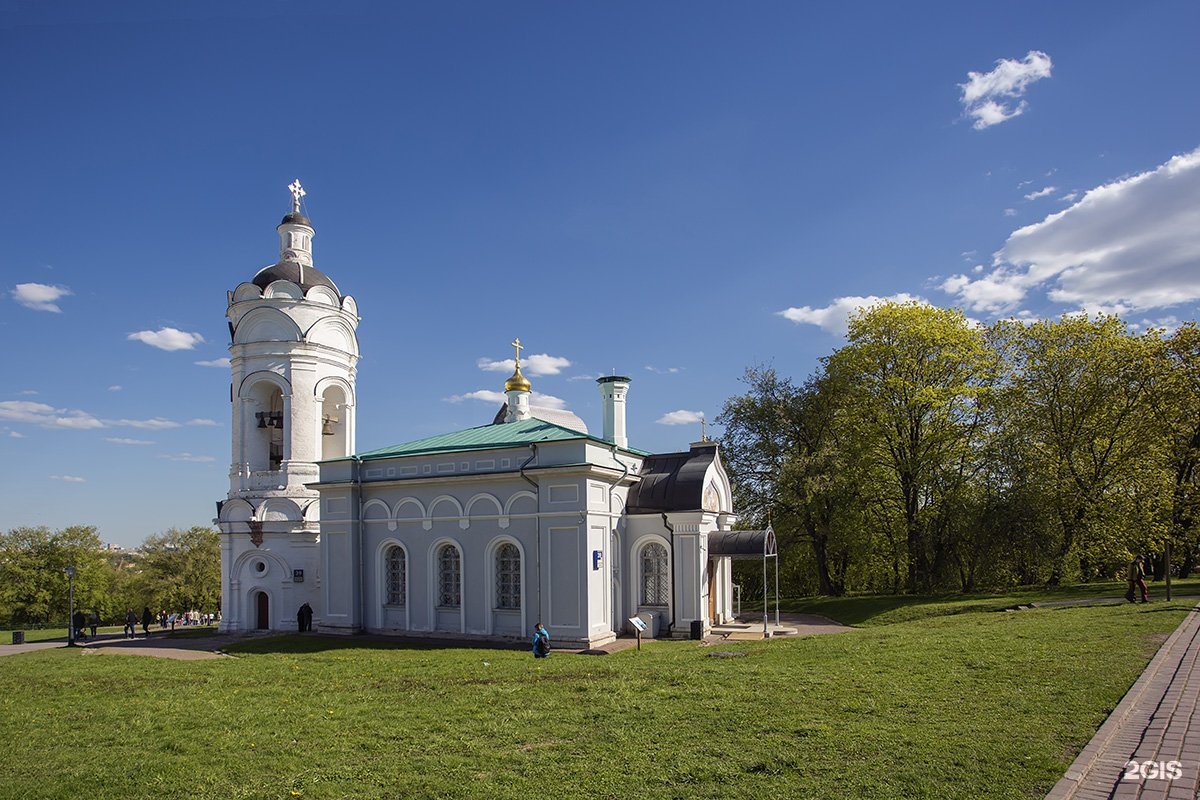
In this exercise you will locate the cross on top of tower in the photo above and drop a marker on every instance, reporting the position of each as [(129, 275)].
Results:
[(517, 345), (297, 192)]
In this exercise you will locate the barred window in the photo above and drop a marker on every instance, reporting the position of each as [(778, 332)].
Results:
[(508, 576), (449, 577), (655, 579), (394, 563)]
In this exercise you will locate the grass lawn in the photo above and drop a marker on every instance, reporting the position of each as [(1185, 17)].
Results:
[(958, 705)]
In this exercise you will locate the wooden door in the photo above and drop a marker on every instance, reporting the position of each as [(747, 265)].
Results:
[(263, 617)]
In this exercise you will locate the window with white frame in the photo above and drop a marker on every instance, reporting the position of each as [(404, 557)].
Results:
[(508, 576), (656, 586), (394, 565), (449, 577)]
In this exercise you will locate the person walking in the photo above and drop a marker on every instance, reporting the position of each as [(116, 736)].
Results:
[(1137, 579), (541, 641), (94, 622), (147, 618), (130, 623)]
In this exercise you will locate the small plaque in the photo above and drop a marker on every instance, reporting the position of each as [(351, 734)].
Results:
[(638, 623), (297, 576)]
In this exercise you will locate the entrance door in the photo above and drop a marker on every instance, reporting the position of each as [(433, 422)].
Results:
[(263, 617), (712, 592)]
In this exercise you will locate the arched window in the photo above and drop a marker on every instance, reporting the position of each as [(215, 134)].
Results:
[(656, 586), (449, 577), (394, 564), (508, 576)]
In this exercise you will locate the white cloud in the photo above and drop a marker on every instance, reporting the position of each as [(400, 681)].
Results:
[(68, 478), (156, 424), (547, 401), (167, 339), (835, 316), (988, 97), (115, 388), (222, 363), (28, 392), (584, 377), (1129, 245), (121, 440), (680, 417), (39, 296), (15, 435), (663, 370), (47, 416), (203, 423), (1049, 190), (1010, 212), (188, 457), (534, 365), (486, 395)]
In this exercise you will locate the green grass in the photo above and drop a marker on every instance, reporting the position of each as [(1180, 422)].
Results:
[(952, 706), (869, 610)]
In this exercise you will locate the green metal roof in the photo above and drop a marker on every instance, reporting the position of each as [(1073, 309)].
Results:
[(489, 437)]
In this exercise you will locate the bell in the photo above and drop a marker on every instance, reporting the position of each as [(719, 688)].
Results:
[(262, 418), (327, 425)]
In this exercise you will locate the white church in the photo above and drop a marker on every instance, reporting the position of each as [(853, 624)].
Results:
[(477, 533)]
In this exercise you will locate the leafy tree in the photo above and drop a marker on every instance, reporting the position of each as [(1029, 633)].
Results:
[(1176, 403), (33, 581), (182, 570), (913, 377), (1075, 400)]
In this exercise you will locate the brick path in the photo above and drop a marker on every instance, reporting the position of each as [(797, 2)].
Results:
[(1158, 721)]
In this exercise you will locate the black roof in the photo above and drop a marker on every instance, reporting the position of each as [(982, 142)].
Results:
[(291, 271), (295, 218), (672, 481), (742, 544)]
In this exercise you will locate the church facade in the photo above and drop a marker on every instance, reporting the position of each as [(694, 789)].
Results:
[(475, 533)]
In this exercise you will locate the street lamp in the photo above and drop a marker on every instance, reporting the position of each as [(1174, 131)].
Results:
[(70, 570)]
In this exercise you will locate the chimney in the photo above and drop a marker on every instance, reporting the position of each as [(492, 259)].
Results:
[(612, 393)]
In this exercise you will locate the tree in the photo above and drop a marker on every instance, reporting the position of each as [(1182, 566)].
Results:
[(782, 448), (182, 570), (1075, 400), (1176, 403), (913, 377), (33, 583)]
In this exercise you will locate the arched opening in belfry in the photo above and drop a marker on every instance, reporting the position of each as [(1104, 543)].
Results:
[(334, 423), (266, 436)]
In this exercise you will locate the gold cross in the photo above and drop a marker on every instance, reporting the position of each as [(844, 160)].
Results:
[(517, 344)]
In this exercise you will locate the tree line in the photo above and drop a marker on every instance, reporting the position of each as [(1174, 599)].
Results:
[(178, 570), (931, 453)]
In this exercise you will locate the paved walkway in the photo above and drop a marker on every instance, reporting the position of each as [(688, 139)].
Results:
[(1156, 725), (181, 648)]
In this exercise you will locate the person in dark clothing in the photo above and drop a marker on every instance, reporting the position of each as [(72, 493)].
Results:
[(130, 624), (304, 618), (147, 618), (94, 622), (77, 624)]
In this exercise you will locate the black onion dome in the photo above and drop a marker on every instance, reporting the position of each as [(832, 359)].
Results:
[(290, 271), (296, 218)]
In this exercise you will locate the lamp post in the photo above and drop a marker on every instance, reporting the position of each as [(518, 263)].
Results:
[(70, 570)]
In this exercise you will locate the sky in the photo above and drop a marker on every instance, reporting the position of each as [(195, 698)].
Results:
[(671, 191)]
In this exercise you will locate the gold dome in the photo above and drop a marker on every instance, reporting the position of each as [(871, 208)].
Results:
[(517, 383)]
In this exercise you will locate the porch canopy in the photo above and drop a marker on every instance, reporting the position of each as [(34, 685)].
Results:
[(743, 545)]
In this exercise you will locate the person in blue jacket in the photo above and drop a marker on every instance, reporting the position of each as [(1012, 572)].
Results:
[(541, 641)]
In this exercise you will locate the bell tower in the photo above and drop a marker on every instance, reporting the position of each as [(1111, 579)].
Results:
[(293, 357)]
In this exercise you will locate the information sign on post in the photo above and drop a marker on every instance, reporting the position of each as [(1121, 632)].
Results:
[(639, 626)]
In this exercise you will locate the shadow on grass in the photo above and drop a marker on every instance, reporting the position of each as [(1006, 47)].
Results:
[(860, 610), (316, 643)]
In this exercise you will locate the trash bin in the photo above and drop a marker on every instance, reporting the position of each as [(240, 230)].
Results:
[(697, 629), (18, 637)]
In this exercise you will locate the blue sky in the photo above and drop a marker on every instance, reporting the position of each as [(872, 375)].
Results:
[(673, 191)]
